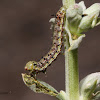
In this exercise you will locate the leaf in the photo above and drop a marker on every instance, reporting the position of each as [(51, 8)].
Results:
[(90, 87), (74, 44), (98, 21), (38, 86), (62, 95)]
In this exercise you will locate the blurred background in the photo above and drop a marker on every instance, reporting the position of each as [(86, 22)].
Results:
[(25, 35)]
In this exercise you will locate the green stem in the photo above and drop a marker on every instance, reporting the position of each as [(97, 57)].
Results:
[(68, 3), (71, 73)]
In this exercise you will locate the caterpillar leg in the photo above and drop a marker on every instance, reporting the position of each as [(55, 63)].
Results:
[(33, 74)]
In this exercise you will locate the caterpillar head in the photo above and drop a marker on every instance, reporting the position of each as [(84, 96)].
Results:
[(31, 65)]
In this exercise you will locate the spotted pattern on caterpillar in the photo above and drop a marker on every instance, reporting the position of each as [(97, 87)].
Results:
[(36, 67)]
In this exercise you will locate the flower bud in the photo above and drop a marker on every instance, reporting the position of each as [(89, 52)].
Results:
[(78, 20), (90, 20), (74, 16)]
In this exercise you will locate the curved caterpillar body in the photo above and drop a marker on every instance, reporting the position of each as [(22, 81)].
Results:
[(36, 67)]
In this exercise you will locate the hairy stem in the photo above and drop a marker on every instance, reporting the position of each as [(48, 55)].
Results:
[(71, 73)]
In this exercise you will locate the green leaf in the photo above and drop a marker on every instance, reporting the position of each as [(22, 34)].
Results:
[(62, 95), (98, 21), (38, 86), (90, 87), (96, 96)]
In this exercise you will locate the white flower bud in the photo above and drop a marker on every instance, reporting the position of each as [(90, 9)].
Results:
[(78, 20), (74, 16), (90, 20)]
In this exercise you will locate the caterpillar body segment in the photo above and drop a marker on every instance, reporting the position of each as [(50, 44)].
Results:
[(55, 50)]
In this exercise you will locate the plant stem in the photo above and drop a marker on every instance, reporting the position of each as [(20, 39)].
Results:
[(71, 73), (68, 3), (71, 66)]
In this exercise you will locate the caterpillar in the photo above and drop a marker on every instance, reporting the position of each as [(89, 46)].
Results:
[(41, 66)]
